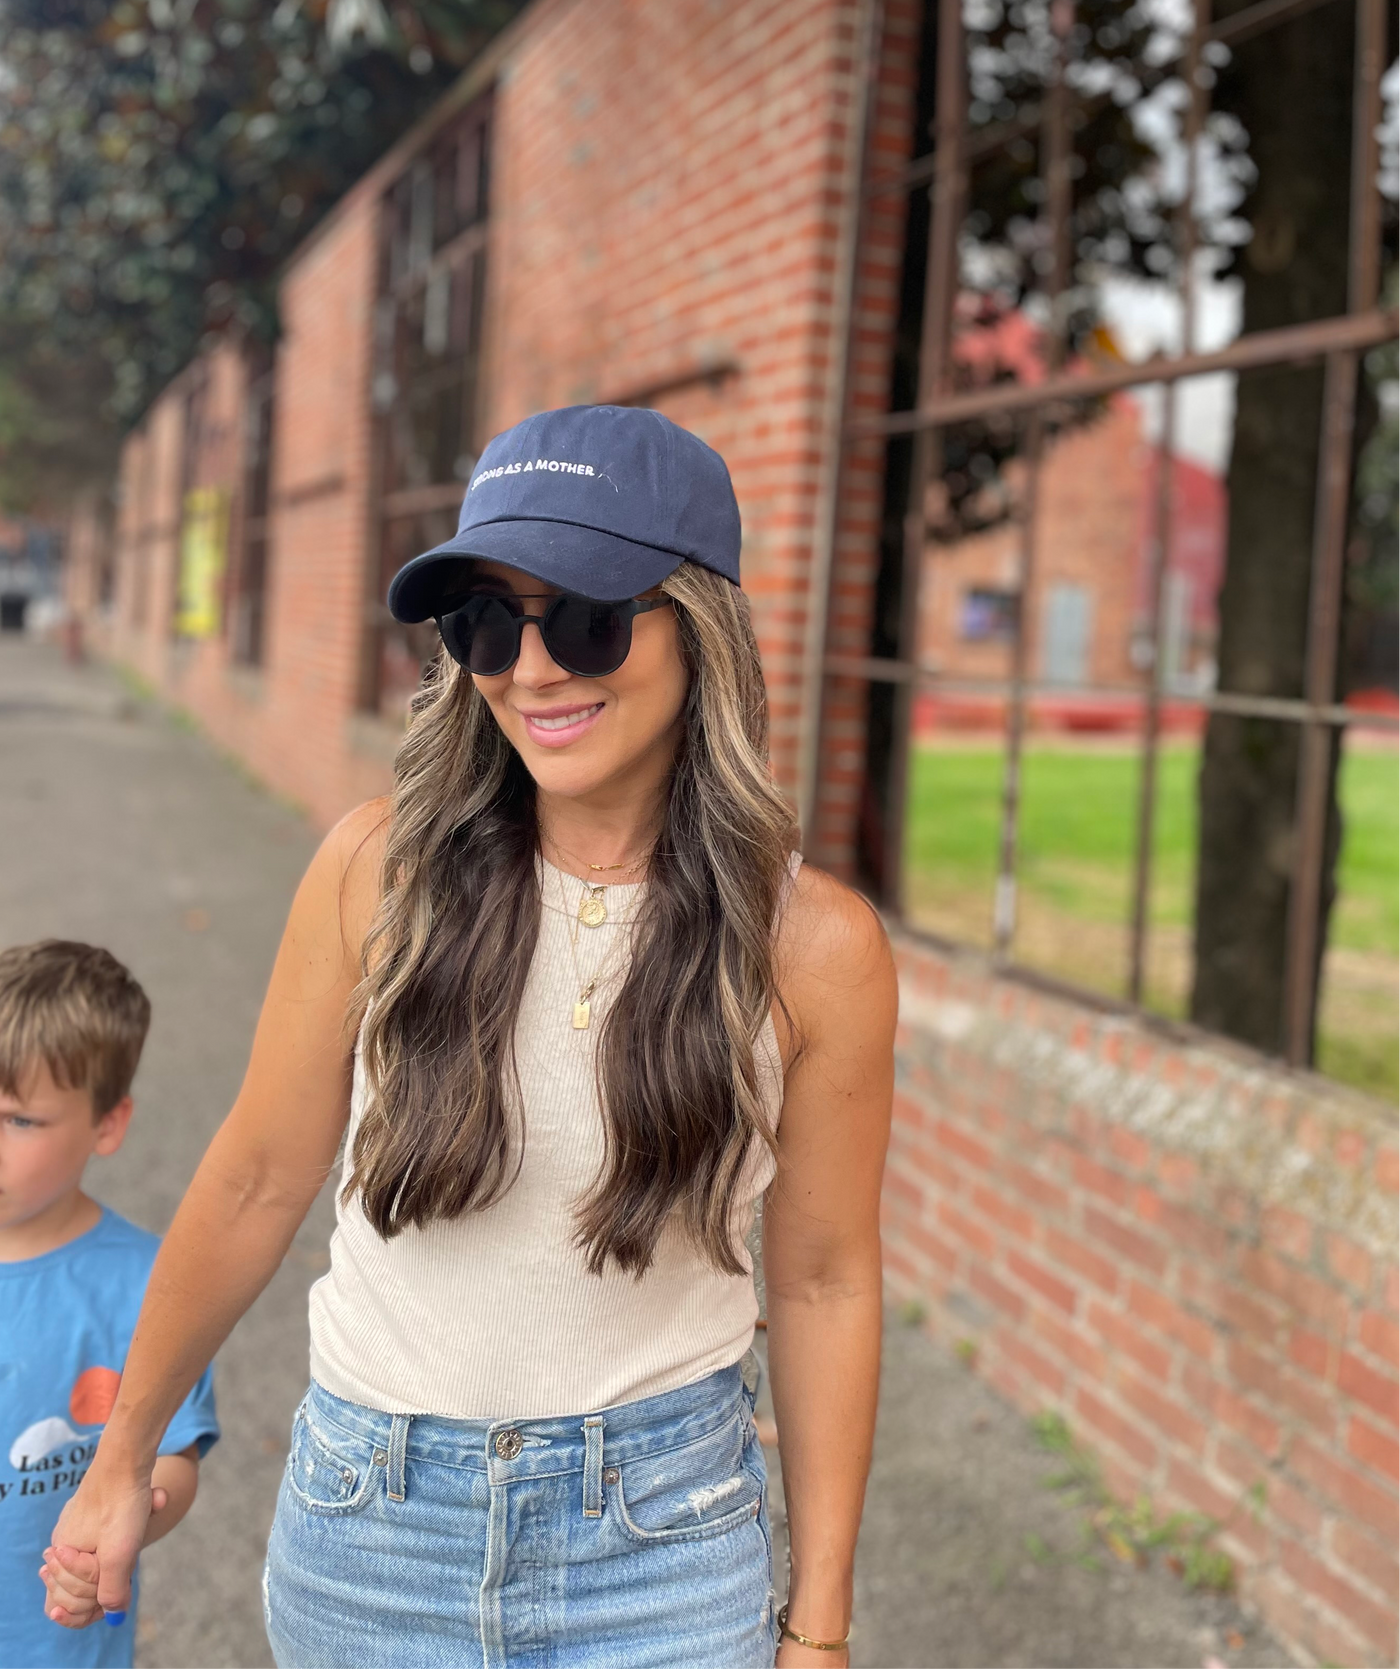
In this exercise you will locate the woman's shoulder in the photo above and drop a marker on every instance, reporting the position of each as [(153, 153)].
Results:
[(832, 946), (348, 866)]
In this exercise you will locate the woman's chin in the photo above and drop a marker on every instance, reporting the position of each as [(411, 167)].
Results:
[(570, 775)]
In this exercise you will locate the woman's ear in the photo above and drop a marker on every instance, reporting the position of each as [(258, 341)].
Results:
[(113, 1125)]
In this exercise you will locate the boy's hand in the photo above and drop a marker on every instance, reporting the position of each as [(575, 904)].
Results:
[(82, 1584), (71, 1579)]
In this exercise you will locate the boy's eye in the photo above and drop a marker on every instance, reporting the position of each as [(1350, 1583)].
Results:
[(20, 1122)]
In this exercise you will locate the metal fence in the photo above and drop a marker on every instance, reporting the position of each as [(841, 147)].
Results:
[(1340, 342)]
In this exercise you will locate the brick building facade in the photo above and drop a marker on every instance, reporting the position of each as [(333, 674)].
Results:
[(1190, 1252), (668, 194), (1088, 608)]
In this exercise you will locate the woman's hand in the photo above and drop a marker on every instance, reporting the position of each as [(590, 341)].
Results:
[(87, 1569)]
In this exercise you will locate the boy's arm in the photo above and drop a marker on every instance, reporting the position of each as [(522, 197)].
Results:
[(178, 1476)]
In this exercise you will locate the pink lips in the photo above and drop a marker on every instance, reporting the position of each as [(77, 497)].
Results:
[(557, 727)]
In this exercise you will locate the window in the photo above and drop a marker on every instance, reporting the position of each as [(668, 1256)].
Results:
[(248, 588), (428, 330), (1118, 464), (988, 616)]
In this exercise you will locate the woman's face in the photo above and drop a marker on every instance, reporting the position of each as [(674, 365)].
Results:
[(621, 730)]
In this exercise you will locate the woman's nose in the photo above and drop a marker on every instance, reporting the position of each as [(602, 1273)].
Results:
[(536, 667)]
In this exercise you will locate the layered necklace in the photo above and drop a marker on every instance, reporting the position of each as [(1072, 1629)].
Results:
[(592, 912)]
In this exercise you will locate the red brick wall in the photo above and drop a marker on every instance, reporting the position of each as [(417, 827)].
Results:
[(1188, 1252), (1090, 521), (294, 719), (667, 196), (668, 192)]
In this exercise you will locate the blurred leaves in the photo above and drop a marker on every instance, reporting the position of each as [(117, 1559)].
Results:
[(1373, 580), (159, 160), (1127, 99)]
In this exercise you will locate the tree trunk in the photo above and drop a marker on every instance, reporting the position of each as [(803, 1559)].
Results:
[(1292, 88)]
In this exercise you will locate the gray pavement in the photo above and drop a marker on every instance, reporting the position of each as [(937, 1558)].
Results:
[(120, 825)]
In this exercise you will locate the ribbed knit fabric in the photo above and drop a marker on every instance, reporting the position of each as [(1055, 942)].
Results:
[(494, 1315)]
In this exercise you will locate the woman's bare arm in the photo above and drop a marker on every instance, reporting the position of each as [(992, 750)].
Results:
[(253, 1187), (821, 1241)]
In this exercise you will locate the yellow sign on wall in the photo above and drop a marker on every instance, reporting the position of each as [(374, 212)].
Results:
[(203, 554)]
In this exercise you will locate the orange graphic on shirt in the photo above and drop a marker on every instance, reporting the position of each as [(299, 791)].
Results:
[(94, 1396)]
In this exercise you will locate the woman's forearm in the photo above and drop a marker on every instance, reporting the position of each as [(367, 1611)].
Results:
[(824, 1358), (228, 1237)]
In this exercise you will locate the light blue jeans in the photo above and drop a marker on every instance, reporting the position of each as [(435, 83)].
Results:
[(634, 1538)]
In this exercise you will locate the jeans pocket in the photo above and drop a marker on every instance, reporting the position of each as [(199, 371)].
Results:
[(703, 1489), (329, 1470)]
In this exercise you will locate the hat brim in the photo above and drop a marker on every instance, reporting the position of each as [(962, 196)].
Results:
[(602, 566)]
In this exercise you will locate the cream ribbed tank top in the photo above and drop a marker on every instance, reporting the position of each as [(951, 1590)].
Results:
[(493, 1315)]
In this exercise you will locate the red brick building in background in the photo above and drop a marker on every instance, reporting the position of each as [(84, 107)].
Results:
[(1088, 609), (629, 203), (1187, 1250)]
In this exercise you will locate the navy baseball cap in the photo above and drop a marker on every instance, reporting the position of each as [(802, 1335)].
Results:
[(604, 501)]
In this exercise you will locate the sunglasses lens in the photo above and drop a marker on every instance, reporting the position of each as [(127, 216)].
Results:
[(481, 636), (586, 638)]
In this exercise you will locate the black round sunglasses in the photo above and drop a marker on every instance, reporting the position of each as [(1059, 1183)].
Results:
[(584, 637)]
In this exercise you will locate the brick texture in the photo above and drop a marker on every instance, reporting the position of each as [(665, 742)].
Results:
[(1187, 1252), (668, 186)]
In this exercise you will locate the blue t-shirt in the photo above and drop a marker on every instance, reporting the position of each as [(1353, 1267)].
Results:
[(66, 1320)]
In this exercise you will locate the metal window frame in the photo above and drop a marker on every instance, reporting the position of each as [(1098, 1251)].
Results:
[(1339, 342), (393, 290)]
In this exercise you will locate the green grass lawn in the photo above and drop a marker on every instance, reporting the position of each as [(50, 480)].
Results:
[(1078, 821)]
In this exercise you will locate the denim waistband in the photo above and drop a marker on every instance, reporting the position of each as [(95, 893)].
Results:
[(514, 1449)]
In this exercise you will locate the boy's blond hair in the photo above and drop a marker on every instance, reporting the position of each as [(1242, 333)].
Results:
[(77, 1009)]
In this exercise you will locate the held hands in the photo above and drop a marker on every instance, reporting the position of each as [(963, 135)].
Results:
[(87, 1569)]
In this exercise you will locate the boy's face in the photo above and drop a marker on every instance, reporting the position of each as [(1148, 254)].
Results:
[(47, 1136)]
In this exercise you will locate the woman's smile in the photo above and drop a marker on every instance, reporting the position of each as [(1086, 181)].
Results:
[(559, 727)]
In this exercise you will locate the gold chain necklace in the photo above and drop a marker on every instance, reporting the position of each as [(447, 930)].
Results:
[(592, 910), (583, 1003)]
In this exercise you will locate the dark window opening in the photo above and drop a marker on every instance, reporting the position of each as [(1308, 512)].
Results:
[(248, 581), (428, 347)]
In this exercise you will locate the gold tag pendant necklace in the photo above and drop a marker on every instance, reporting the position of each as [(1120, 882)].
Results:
[(583, 1003), (583, 1008)]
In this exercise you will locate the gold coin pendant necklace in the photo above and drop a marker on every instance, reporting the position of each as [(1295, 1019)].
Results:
[(592, 911), (583, 1003)]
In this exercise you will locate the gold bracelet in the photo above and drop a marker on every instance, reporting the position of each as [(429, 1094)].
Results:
[(803, 1640)]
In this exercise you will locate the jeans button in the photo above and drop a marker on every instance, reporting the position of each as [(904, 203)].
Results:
[(610, 1475), (509, 1444), (381, 1457)]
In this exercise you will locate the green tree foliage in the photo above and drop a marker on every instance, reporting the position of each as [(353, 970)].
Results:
[(1127, 101), (159, 160)]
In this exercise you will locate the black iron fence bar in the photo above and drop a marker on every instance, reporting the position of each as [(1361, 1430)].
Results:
[(1285, 708), (1329, 546), (1053, 224), (1290, 345), (936, 329), (985, 142), (1185, 238)]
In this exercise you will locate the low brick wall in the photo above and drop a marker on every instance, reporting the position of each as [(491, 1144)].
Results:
[(1187, 1251)]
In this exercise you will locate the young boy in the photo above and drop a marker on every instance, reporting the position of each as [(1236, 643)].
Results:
[(72, 1275)]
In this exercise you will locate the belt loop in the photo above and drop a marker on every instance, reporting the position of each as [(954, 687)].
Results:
[(398, 1450), (593, 1466)]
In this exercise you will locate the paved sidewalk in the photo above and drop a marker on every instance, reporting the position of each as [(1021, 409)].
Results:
[(120, 825)]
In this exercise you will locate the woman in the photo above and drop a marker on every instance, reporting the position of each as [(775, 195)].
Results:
[(595, 1010)]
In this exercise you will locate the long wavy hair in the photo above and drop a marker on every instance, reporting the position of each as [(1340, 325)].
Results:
[(446, 959)]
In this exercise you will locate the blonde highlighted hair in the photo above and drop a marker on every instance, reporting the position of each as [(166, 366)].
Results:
[(446, 960)]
